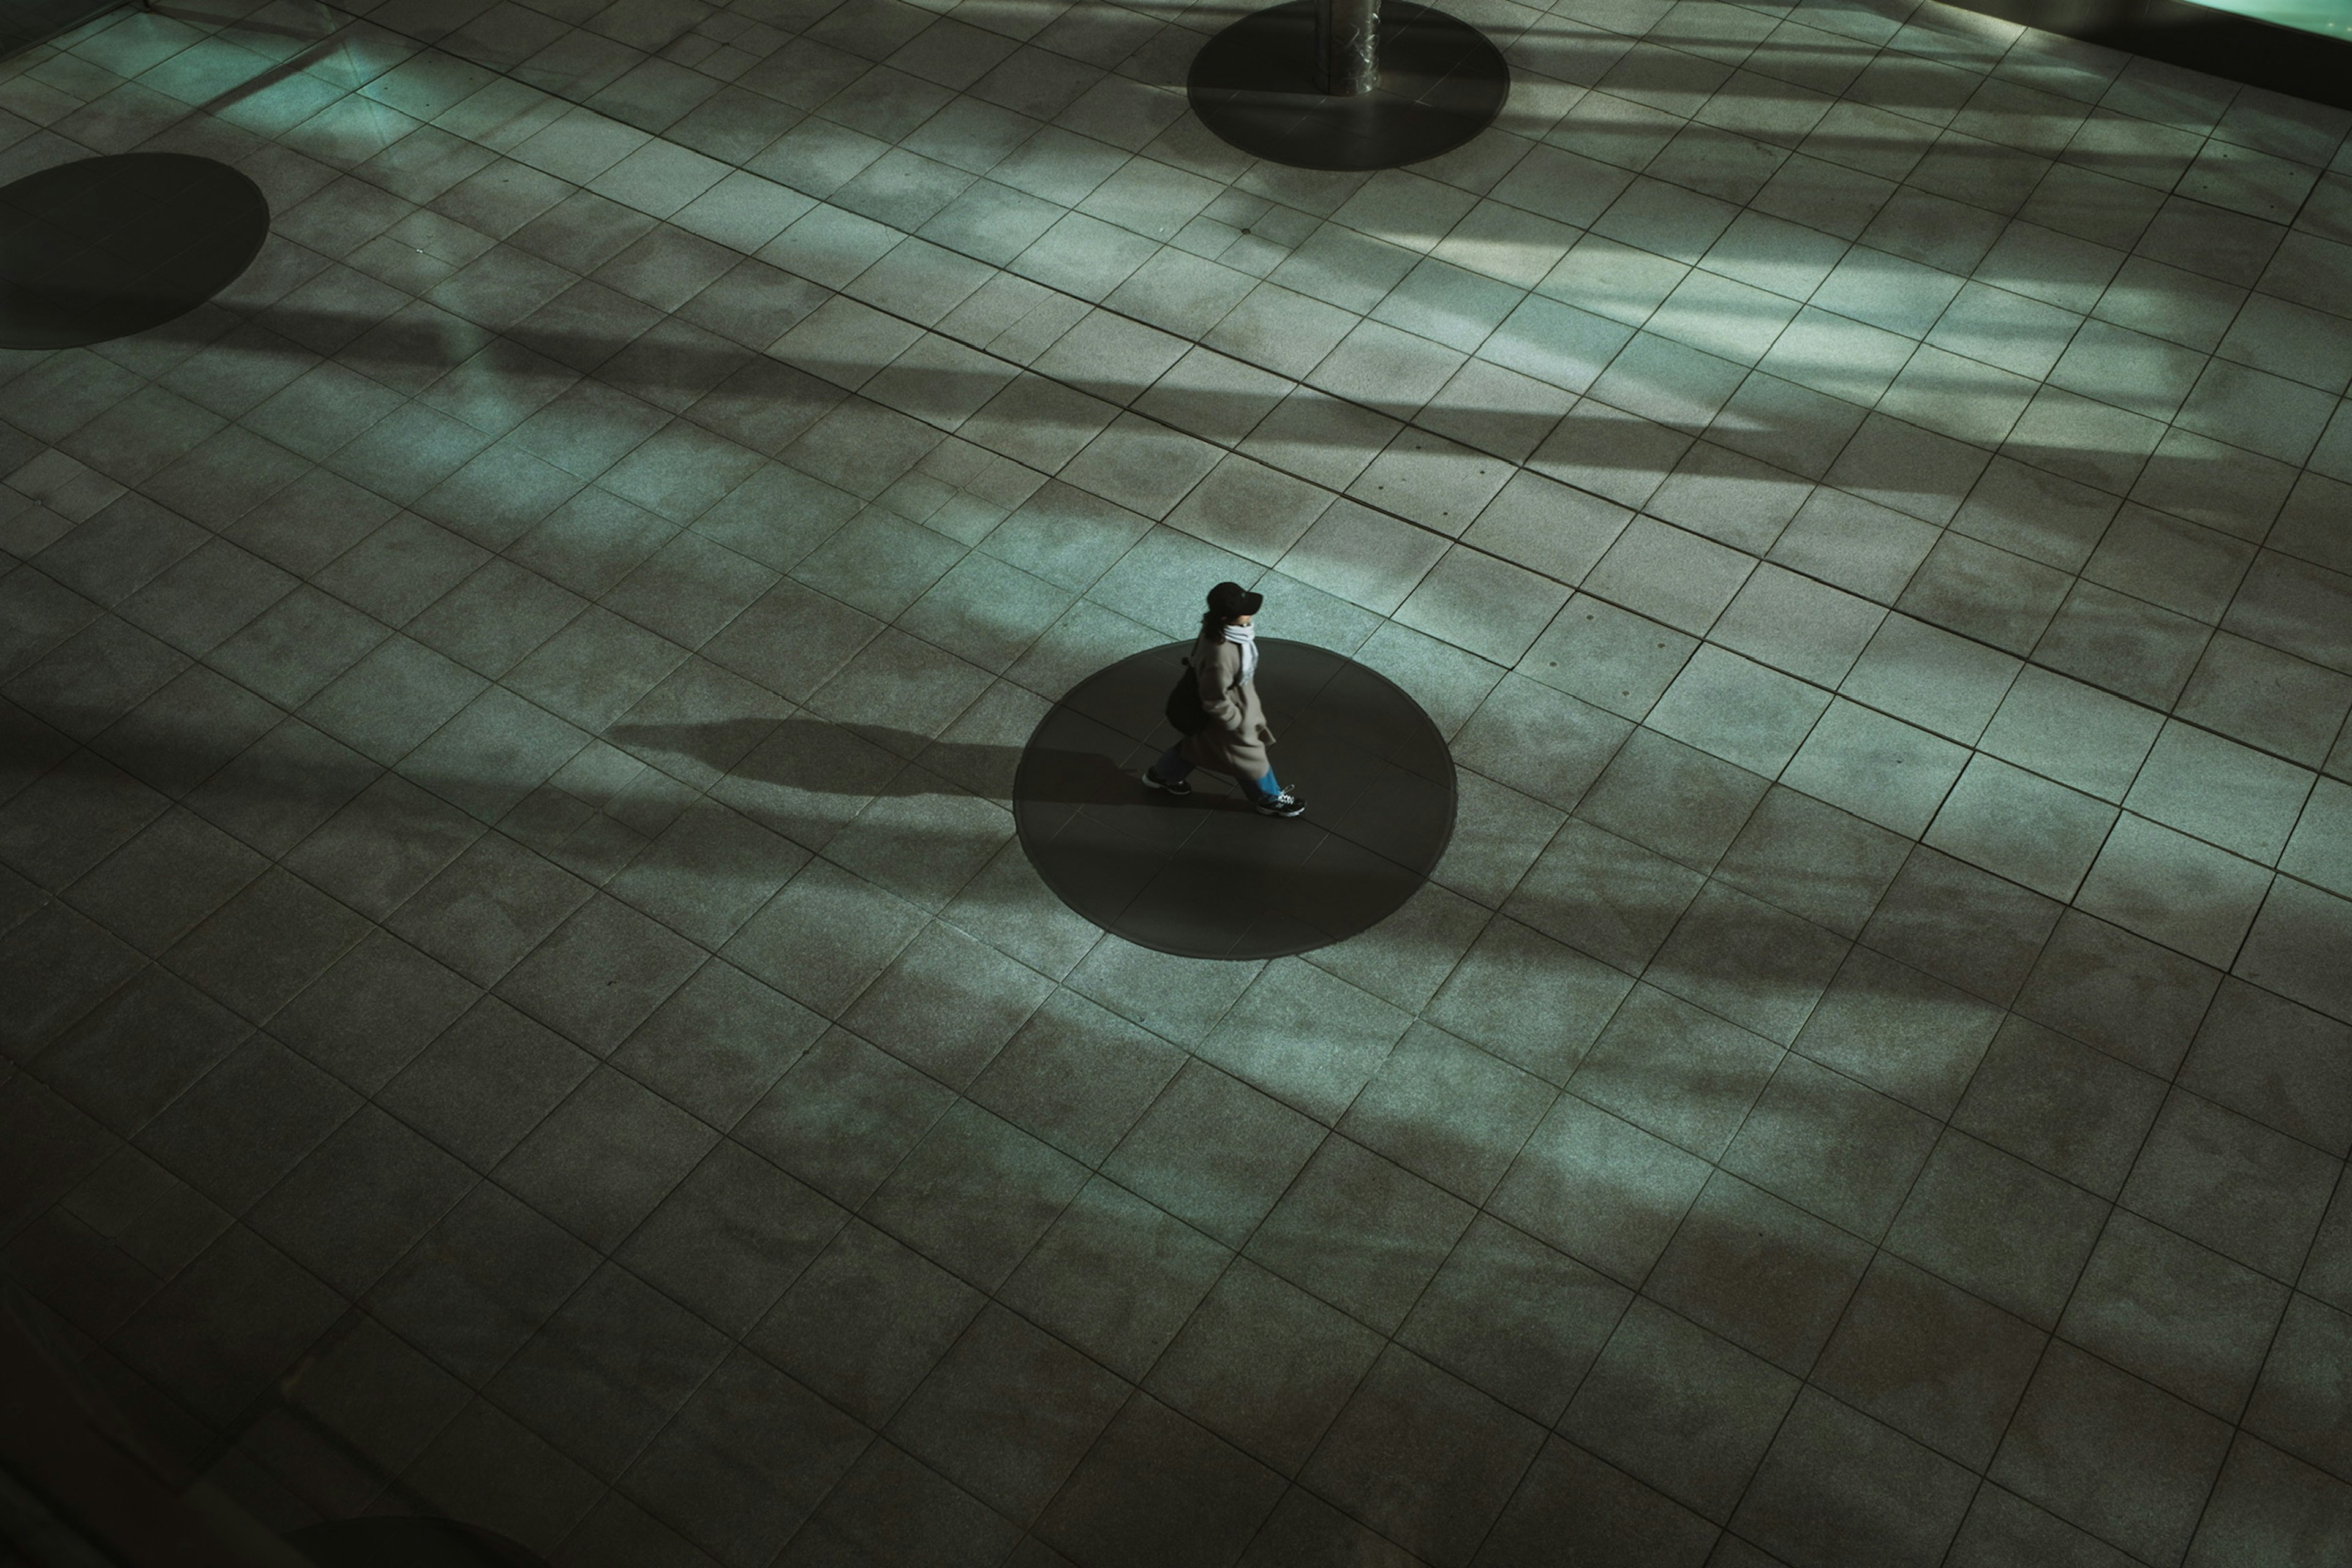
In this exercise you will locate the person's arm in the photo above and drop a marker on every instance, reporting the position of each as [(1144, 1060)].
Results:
[(1217, 665)]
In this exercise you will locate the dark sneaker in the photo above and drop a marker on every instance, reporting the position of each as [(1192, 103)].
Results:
[(1284, 805), (1179, 787)]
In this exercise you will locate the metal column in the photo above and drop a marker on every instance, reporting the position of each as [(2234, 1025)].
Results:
[(1346, 47)]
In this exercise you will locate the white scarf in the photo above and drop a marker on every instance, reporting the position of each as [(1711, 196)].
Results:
[(1247, 637)]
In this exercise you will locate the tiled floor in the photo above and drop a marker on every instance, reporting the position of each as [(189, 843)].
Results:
[(521, 1003)]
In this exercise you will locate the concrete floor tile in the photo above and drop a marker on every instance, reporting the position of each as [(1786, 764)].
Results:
[(1801, 1501), (1641, 1408), (1499, 411), (1669, 574), (1431, 481), (1731, 498), (2254, 409), (1998, 1227), (1360, 1232), (2293, 1407), (1383, 367), (1609, 657), (2137, 1001), (1855, 544), (1729, 1268), (1735, 321), (2026, 829), (1798, 625), (1881, 769), (1319, 438), (1561, 1325), (2187, 569), (1118, 1502), (2072, 732), (2248, 1191), (2299, 925), (1615, 280), (1621, 456), (2265, 698), (2124, 644), (1491, 607), (1253, 1333), (1344, 266), (2317, 852), (1671, 798), (2073, 1111), (1961, 924), (2018, 334), (1900, 1031), (1831, 1146), (1280, 329), (2268, 1501), (172, 873), (1467, 1455), (1886, 292), (2165, 885), (1446, 304), (1984, 593), (1564, 344), (1478, 1001), (822, 1331), (1916, 470), (2188, 772), (1738, 711), (884, 1488), (2204, 1343), (1026, 1183), (1749, 961), (2136, 1491), (1448, 683), (1656, 378), (241, 1128), (1675, 1070), (1117, 1276), (1813, 859), (2032, 512), (2116, 365), (1500, 241), (1930, 1360), (1605, 895), (1958, 397)]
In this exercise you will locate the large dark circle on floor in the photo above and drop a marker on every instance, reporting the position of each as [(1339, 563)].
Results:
[(1206, 876), (391, 1541), (104, 247), (1442, 82)]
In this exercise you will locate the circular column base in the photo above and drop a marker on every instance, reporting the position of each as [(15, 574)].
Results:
[(104, 247), (1206, 876), (1442, 82)]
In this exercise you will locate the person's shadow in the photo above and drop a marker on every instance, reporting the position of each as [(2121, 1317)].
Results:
[(813, 754)]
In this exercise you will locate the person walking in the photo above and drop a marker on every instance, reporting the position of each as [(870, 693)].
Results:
[(1235, 736)]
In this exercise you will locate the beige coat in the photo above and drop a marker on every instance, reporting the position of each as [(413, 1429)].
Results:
[(1235, 742)]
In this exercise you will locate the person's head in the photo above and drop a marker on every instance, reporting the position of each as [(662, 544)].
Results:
[(1231, 604)]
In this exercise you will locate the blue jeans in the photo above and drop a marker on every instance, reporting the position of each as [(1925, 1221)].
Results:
[(1173, 765)]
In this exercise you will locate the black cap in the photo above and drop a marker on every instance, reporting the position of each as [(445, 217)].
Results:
[(1231, 601)]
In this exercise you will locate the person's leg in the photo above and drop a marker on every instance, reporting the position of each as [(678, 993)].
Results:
[(1271, 799), (1167, 774)]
